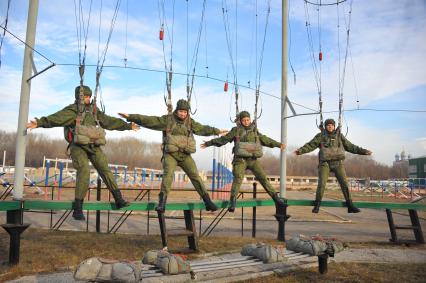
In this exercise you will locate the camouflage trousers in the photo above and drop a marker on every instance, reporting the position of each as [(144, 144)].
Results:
[(240, 165), (80, 156), (338, 169), (187, 164)]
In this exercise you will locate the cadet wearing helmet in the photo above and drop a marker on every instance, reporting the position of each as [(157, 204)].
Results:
[(178, 145), (84, 126), (332, 146), (247, 149)]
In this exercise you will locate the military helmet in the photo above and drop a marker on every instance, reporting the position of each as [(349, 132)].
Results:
[(329, 121), (243, 114), (182, 104), (86, 91)]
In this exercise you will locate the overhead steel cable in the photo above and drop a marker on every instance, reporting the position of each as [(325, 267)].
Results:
[(4, 30), (23, 42), (102, 56), (194, 59), (101, 59), (168, 69), (82, 29), (230, 52), (311, 47), (259, 71)]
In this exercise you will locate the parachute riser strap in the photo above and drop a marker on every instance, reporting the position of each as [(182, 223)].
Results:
[(255, 109), (237, 135), (256, 136), (237, 112), (339, 125), (188, 123), (169, 77), (320, 110), (94, 108), (338, 133), (80, 102)]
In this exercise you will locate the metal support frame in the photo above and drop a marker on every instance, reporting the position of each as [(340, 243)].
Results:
[(323, 263), (14, 227), (282, 217), (253, 221), (123, 217), (190, 230), (98, 198), (415, 226), (7, 192), (190, 226)]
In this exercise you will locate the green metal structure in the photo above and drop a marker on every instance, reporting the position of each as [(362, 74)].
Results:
[(16, 209), (145, 206), (417, 167)]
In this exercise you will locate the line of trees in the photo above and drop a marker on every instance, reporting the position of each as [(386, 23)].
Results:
[(137, 153), (126, 151)]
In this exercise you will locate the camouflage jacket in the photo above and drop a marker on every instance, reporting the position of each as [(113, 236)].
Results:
[(160, 124), (246, 134), (67, 116), (330, 140)]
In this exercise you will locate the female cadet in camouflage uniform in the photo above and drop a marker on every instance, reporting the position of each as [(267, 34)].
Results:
[(86, 148), (246, 133), (178, 144), (332, 145)]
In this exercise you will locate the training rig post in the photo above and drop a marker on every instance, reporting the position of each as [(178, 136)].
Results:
[(14, 227)]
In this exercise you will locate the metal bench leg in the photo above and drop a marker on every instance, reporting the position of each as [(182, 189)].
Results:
[(190, 225), (416, 225), (163, 230), (14, 227), (282, 217), (323, 263), (391, 225)]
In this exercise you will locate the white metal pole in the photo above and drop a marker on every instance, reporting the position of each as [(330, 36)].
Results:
[(284, 53), (24, 101)]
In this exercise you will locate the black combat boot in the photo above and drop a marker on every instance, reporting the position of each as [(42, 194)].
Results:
[(278, 201), (119, 201), (351, 207), (77, 205), (162, 199), (232, 204), (317, 204), (210, 206)]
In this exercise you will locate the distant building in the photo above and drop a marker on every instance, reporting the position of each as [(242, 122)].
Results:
[(417, 167), (401, 159)]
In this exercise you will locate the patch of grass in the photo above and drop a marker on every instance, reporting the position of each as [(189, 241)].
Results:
[(386, 245), (352, 272)]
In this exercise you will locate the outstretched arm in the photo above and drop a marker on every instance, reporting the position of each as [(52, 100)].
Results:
[(310, 146), (229, 137), (62, 118), (204, 130), (350, 147), (269, 142), (150, 122), (111, 123)]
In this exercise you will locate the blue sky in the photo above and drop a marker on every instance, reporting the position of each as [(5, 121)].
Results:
[(385, 70)]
